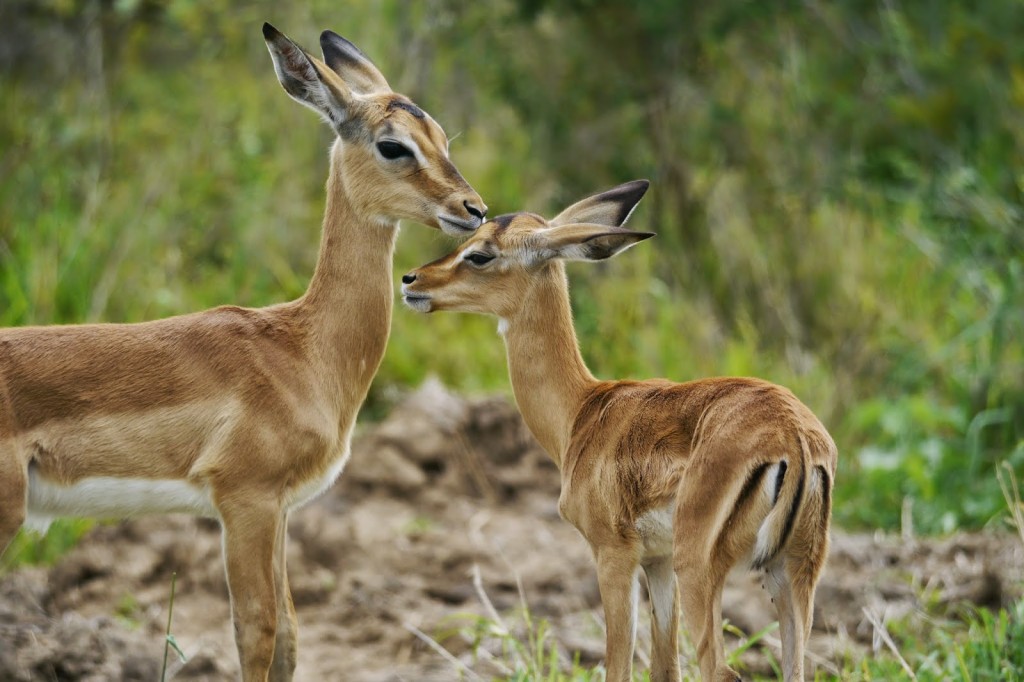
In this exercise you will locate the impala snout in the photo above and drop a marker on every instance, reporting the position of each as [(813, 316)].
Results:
[(417, 300), (464, 216), (477, 210)]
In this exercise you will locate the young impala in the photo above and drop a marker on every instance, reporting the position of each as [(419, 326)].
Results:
[(681, 480), (236, 413)]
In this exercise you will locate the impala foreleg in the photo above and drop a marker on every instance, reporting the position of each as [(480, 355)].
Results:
[(661, 587), (13, 497), (285, 648), (617, 580), (250, 529)]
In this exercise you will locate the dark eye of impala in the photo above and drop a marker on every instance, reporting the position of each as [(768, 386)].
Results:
[(478, 258), (393, 150)]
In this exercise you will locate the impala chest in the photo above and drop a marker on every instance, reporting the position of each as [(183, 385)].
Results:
[(323, 478), (655, 530)]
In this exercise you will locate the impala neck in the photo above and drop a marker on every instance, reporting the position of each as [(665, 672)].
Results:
[(549, 377), (349, 300)]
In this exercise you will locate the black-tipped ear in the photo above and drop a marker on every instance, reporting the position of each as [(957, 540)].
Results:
[(583, 241), (354, 67), (611, 207), (299, 75), (604, 246)]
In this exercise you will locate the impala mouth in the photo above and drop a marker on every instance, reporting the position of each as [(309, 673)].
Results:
[(418, 302), (458, 227)]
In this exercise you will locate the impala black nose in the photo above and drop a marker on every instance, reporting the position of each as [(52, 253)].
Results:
[(474, 211), (408, 278)]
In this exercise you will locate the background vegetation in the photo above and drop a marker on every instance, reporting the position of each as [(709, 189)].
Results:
[(837, 189)]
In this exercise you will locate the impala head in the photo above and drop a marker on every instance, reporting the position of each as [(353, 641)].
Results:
[(392, 156), (492, 272)]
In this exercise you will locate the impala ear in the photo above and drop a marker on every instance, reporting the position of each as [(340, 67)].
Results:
[(611, 208), (585, 241), (354, 67), (308, 80)]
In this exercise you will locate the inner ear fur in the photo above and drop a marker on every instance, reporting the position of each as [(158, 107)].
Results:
[(352, 65), (307, 79), (587, 241), (610, 208), (603, 246)]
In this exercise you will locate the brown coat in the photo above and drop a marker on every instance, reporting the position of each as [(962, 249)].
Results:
[(236, 413), (682, 480)]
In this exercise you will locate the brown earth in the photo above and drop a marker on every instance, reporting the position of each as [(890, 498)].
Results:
[(447, 509)]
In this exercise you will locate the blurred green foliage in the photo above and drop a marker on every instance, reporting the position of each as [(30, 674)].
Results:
[(838, 190), (983, 645), (978, 645)]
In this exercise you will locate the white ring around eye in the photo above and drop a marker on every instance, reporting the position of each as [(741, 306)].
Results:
[(406, 142)]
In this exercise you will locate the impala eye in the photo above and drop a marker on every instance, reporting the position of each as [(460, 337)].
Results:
[(393, 150), (478, 258)]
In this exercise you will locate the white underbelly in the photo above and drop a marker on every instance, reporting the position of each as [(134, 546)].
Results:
[(313, 488), (655, 529), (117, 497), (110, 497)]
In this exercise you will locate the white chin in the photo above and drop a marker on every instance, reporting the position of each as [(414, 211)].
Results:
[(453, 229), (420, 305)]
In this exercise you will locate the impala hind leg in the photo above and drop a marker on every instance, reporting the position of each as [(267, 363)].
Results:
[(661, 586), (13, 497), (792, 577), (617, 580), (700, 591), (791, 582), (793, 620), (250, 529), (285, 649), (702, 564)]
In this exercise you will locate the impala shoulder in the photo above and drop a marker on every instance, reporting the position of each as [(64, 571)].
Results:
[(235, 323), (602, 397), (8, 420), (236, 318)]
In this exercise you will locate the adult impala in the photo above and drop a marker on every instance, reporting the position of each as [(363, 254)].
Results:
[(237, 413), (682, 480)]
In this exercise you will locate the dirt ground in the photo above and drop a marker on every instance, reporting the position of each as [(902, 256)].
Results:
[(445, 506)]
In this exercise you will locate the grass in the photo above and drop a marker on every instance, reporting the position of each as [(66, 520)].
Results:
[(964, 643), (169, 641), (523, 648), (30, 548), (977, 646)]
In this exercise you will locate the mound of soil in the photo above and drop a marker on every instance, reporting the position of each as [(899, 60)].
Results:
[(446, 513)]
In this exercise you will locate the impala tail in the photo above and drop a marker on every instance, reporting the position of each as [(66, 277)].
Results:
[(801, 496)]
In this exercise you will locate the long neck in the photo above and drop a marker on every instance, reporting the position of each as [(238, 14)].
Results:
[(549, 377), (348, 304)]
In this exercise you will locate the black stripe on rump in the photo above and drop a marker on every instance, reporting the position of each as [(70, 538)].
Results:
[(787, 529), (749, 486), (791, 518), (826, 494), (779, 478)]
